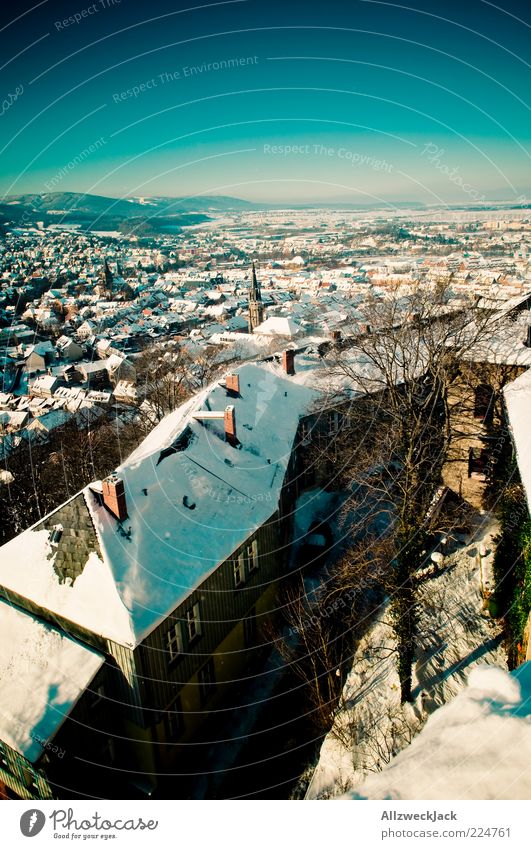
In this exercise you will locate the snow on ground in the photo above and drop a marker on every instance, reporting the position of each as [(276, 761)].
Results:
[(455, 634), (476, 747)]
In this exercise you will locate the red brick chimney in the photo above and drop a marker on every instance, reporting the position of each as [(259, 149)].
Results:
[(288, 361), (232, 384), (229, 419), (114, 496)]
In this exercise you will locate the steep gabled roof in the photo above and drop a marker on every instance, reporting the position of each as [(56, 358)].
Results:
[(192, 499)]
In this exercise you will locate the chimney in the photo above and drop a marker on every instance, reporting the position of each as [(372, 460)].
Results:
[(365, 329), (288, 361), (232, 385), (229, 420), (527, 341), (335, 335), (114, 496)]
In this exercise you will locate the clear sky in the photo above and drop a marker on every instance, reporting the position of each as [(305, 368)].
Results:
[(360, 101)]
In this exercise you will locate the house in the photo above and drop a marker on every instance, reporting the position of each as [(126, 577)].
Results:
[(41, 427), (68, 350), (94, 375), (487, 366), (120, 368), (12, 420), (44, 385), (37, 357), (126, 392), (86, 329), (169, 566)]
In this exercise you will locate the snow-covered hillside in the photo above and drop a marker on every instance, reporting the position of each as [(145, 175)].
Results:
[(455, 634), (476, 747)]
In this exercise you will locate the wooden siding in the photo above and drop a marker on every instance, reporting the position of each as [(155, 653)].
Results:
[(223, 607), (22, 778)]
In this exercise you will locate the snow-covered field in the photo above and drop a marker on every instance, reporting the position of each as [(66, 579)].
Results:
[(455, 635)]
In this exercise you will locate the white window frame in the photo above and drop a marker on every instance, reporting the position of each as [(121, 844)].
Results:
[(193, 622), (238, 570), (174, 641), (253, 556)]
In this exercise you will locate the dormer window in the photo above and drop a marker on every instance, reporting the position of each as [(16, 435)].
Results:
[(56, 534)]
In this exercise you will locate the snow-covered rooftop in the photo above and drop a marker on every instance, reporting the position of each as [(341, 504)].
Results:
[(504, 343), (518, 403), (42, 674), (476, 747), (192, 499), (278, 326)]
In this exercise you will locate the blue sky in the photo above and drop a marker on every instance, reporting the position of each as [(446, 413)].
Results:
[(359, 101)]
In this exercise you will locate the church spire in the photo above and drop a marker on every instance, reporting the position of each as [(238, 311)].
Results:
[(108, 275), (255, 294), (256, 308)]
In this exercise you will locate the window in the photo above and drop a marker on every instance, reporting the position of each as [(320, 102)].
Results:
[(174, 641), (207, 680), (30, 779), (193, 622), (305, 433), (252, 556), (332, 424), (56, 535), (238, 570), (173, 720)]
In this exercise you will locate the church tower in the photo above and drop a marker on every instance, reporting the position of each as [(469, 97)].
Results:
[(104, 286), (256, 307)]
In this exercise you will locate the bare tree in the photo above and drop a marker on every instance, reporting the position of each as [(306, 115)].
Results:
[(322, 625), (395, 433)]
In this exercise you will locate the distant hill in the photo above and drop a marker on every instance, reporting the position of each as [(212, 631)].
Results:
[(77, 203), (143, 216)]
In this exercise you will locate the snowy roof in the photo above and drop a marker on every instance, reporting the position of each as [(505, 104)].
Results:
[(278, 326), (518, 403), (50, 421), (42, 674), (476, 747), (192, 500), (44, 381), (504, 344)]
